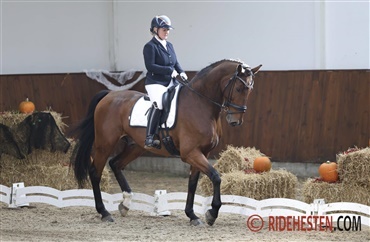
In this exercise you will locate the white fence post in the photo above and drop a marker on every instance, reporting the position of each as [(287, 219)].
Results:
[(160, 204), (13, 196), (317, 207)]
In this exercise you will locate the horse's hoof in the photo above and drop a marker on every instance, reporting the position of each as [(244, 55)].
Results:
[(196, 222), (123, 209), (107, 218), (210, 219)]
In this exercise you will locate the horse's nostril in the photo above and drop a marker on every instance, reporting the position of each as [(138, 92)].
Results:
[(236, 123)]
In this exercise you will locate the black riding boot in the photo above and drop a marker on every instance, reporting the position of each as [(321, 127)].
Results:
[(151, 130)]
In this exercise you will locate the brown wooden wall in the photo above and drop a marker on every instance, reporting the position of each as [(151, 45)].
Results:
[(297, 116)]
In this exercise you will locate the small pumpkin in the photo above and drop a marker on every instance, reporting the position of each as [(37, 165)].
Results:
[(26, 106), (328, 171), (262, 164)]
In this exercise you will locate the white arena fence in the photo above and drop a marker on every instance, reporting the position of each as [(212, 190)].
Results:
[(162, 203)]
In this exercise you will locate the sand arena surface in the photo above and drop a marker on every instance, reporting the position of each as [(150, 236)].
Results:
[(43, 222)]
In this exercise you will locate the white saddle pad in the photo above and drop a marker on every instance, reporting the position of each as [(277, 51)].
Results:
[(139, 114)]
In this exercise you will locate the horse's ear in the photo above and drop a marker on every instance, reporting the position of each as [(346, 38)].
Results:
[(256, 69), (240, 69)]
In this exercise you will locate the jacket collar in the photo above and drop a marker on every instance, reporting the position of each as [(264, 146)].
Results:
[(159, 43)]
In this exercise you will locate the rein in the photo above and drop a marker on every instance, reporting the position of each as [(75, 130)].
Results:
[(225, 106), (185, 83)]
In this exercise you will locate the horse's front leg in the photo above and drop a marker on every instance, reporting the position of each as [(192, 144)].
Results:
[(212, 214), (200, 163), (192, 186)]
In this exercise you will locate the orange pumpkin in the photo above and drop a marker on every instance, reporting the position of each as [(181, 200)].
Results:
[(26, 106), (328, 171), (262, 164)]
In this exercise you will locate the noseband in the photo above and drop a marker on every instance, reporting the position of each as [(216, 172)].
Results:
[(226, 104)]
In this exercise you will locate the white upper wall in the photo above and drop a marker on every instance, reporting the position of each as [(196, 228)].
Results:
[(276, 36), (347, 35), (54, 37), (58, 37)]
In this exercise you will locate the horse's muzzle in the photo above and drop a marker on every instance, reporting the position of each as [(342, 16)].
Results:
[(233, 122)]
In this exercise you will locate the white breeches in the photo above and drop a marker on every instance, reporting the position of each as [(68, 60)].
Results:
[(155, 93)]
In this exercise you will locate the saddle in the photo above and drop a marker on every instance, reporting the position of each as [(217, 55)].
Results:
[(166, 102)]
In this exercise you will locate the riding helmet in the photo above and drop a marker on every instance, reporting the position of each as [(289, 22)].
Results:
[(161, 21)]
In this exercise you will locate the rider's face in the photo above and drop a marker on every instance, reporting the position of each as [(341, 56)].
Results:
[(163, 33)]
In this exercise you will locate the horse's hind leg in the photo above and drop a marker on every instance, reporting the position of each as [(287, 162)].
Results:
[(129, 153), (114, 164), (95, 177)]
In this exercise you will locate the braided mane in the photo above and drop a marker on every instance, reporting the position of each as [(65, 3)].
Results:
[(208, 68)]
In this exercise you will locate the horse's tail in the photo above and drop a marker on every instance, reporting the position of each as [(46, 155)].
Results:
[(84, 133)]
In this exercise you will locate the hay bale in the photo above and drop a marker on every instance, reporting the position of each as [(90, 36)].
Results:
[(236, 159), (44, 168), (272, 184), (335, 192), (235, 166), (13, 118), (205, 185), (354, 166), (41, 167), (36, 131)]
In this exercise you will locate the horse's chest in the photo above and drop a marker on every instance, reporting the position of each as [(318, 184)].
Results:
[(211, 137), (215, 140)]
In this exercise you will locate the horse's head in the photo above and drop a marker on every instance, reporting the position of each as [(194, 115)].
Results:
[(236, 93)]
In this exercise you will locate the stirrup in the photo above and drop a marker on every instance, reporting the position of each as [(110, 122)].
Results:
[(150, 142)]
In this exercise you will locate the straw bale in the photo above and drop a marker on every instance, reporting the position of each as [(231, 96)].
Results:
[(335, 192), (272, 184), (44, 168), (13, 118), (36, 131), (236, 159), (205, 185), (354, 166)]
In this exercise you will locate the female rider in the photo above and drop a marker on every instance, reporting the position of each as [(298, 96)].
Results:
[(163, 67)]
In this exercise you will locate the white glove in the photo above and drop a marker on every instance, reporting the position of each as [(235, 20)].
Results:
[(174, 74), (184, 76)]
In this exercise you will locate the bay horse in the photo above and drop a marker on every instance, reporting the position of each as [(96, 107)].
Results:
[(224, 85)]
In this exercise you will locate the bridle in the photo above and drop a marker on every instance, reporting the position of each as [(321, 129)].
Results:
[(227, 103), (231, 83)]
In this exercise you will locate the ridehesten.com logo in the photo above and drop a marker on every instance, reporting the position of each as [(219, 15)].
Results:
[(256, 223)]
